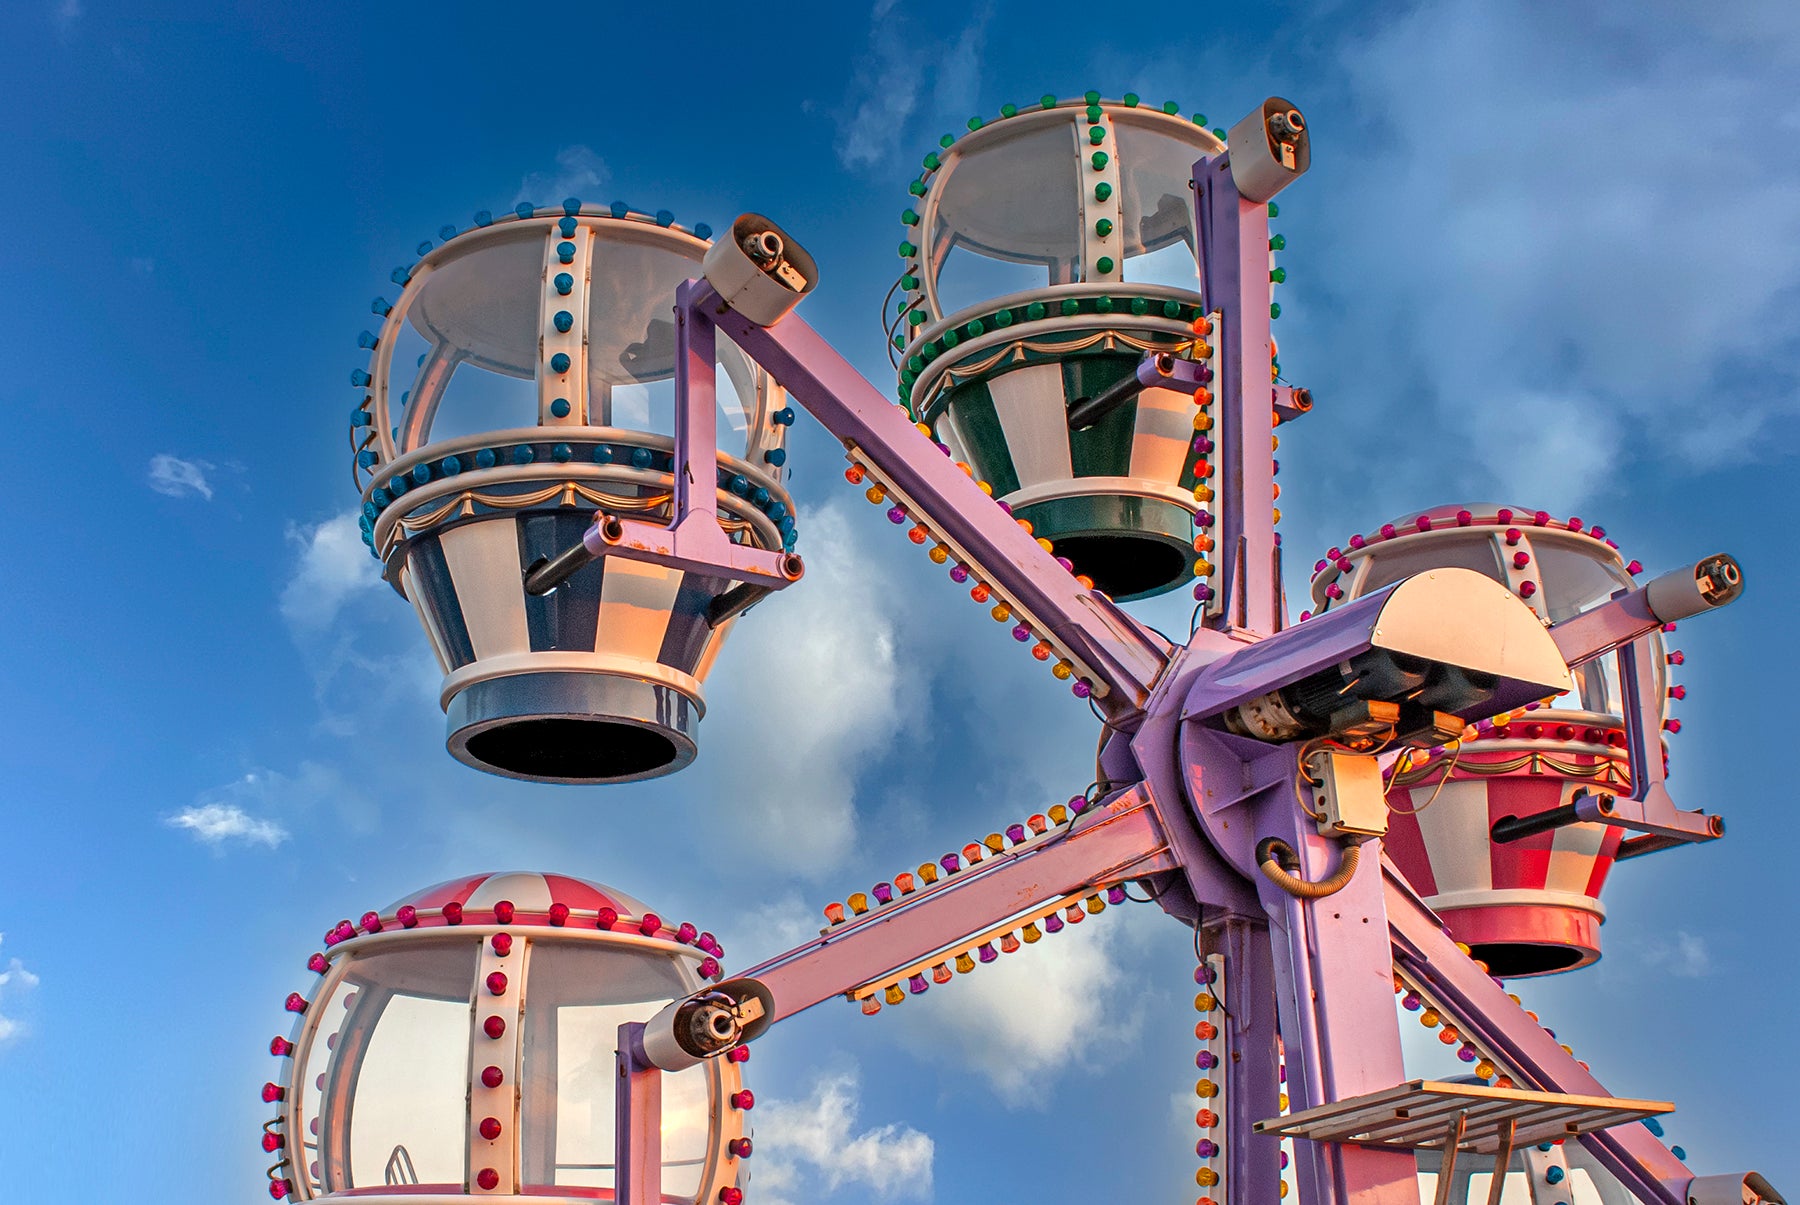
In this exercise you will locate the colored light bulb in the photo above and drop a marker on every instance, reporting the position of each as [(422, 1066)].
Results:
[(295, 1003), (986, 952), (743, 1099), (917, 985), (859, 903), (895, 994), (496, 983), (453, 913), (490, 1128), (280, 1047), (494, 1027), (904, 884), (1009, 944), (318, 964), (928, 872), (502, 944), (492, 1076), (487, 1178), (1053, 923), (272, 1092), (964, 964), (649, 924), (606, 918), (940, 973), (407, 915), (870, 1006)]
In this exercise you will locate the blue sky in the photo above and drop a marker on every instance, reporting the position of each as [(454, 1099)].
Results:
[(1546, 253)]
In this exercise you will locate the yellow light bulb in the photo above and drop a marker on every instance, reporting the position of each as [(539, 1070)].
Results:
[(875, 494), (1203, 493), (1046, 545), (939, 554), (986, 488), (1001, 612), (1205, 1002), (964, 964), (1095, 905), (1031, 932), (1206, 1177), (1062, 671), (895, 993), (1058, 814), (1206, 1089), (1429, 1018)]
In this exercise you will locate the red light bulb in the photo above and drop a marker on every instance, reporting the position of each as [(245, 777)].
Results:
[(503, 912)]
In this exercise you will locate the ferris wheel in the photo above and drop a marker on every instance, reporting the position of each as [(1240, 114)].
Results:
[(1415, 793)]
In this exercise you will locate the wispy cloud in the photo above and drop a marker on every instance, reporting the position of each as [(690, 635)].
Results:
[(257, 807), (180, 478), (1550, 247), (218, 824), (15, 981), (579, 172), (334, 565), (1684, 955), (887, 86), (799, 1141), (65, 14), (1018, 1020), (810, 688)]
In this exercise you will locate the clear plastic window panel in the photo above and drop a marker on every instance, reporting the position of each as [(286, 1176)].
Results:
[(1156, 203), (387, 1075), (478, 315), (580, 995), (1006, 218), (1465, 552), (1575, 578), (473, 334)]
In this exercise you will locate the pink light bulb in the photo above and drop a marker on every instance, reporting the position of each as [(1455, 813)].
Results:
[(453, 913), (559, 914), (407, 915), (686, 934), (709, 967), (503, 912), (502, 944), (650, 924), (295, 1003), (606, 918), (272, 1092), (744, 1099), (318, 964), (280, 1047), (371, 922), (496, 983)]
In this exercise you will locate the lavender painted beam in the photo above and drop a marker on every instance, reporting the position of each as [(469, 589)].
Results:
[(1604, 628), (1124, 657), (1483, 1011), (1234, 243), (1124, 840), (637, 1122)]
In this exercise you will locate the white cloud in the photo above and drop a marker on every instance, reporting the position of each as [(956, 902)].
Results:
[(1020, 1019), (217, 823), (1569, 244), (886, 90), (14, 980), (179, 478), (578, 173), (256, 808), (816, 1137), (334, 565), (808, 690), (1685, 957)]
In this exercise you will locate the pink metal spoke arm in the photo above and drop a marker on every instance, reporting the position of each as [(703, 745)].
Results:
[(1121, 840), (1120, 657), (1482, 1009)]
